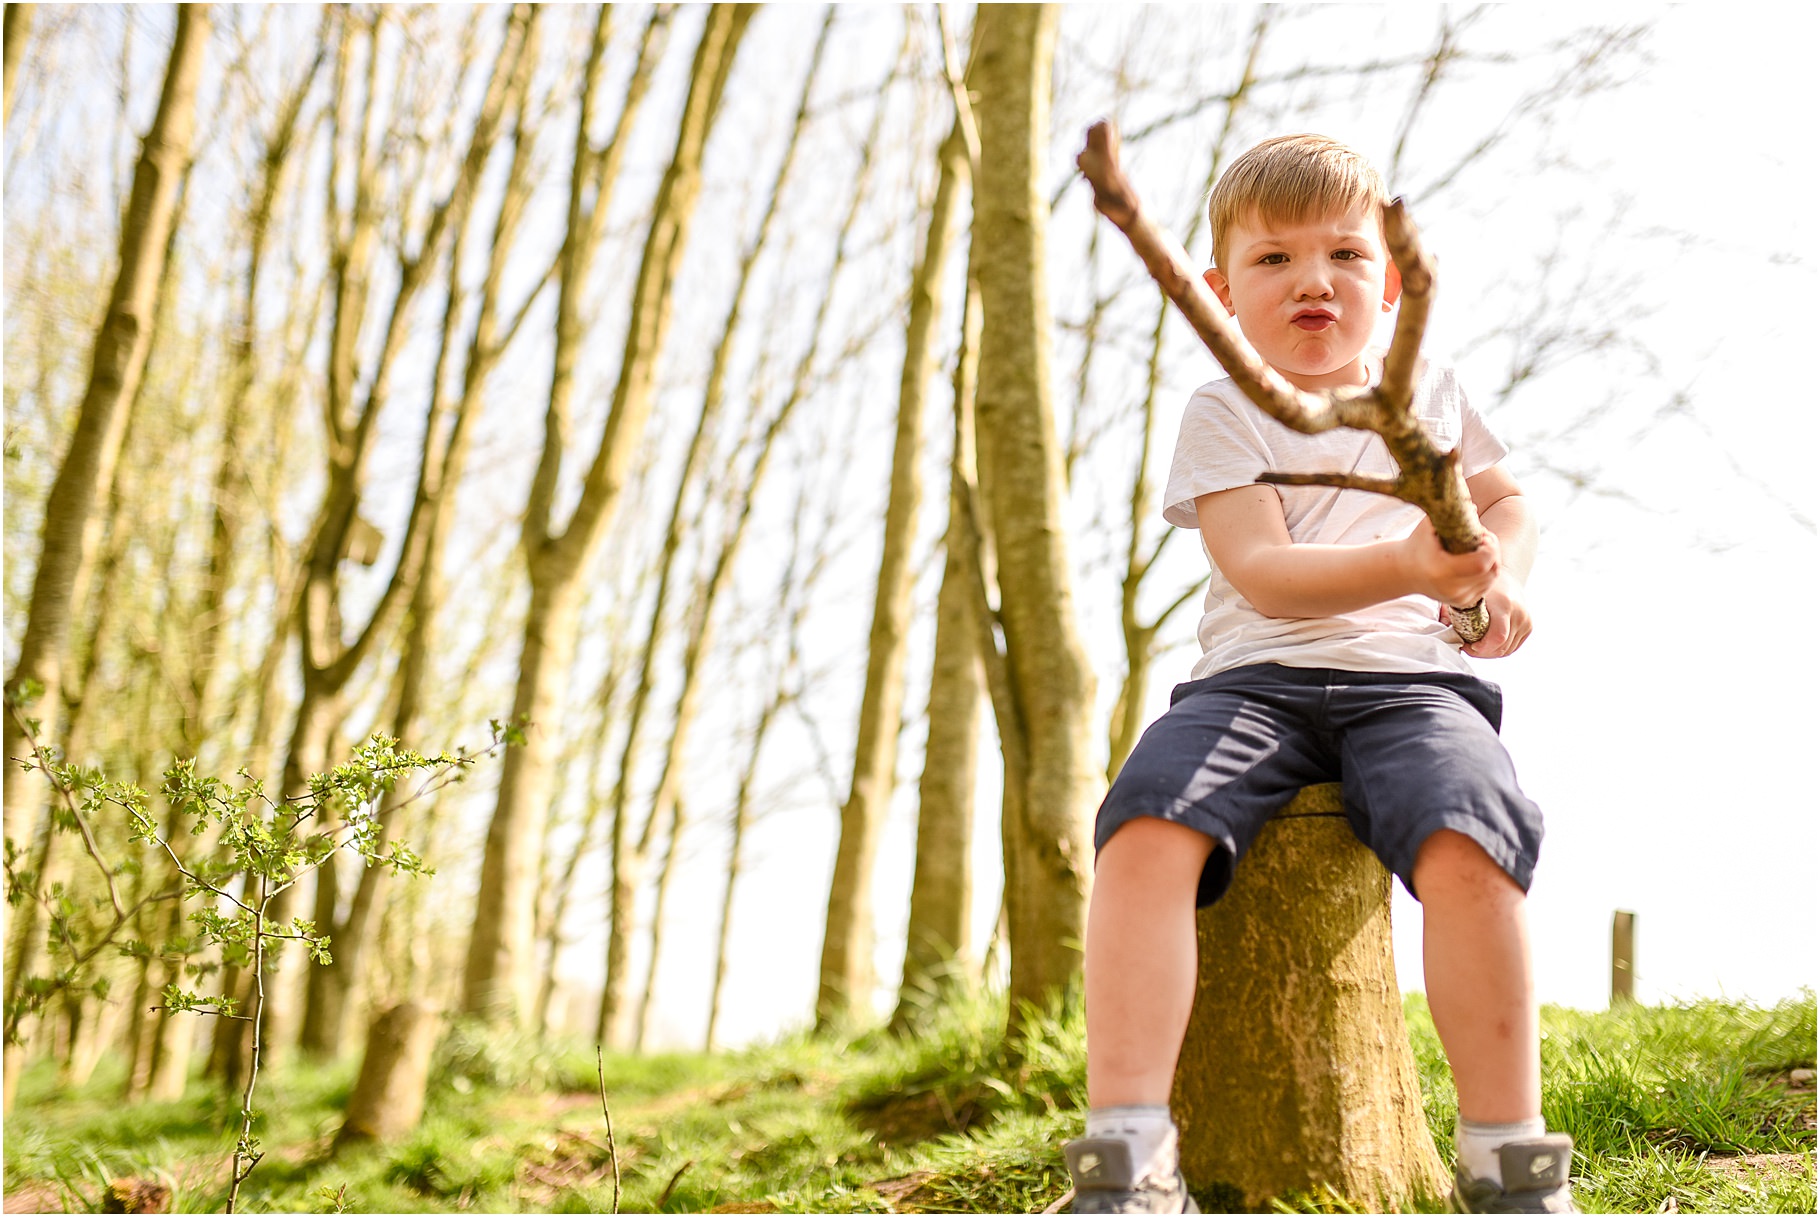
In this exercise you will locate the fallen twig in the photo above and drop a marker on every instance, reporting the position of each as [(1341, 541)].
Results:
[(670, 1187)]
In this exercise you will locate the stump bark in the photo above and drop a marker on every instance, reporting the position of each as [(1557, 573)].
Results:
[(1296, 1072), (388, 1097)]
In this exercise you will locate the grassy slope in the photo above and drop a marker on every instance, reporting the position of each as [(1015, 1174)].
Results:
[(1681, 1102)]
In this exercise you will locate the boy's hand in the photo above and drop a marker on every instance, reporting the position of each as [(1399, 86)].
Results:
[(1510, 620), (1456, 579)]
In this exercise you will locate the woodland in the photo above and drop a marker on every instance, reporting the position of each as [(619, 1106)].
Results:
[(519, 517)]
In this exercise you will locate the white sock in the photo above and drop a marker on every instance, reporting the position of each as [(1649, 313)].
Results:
[(1147, 1129), (1478, 1145)]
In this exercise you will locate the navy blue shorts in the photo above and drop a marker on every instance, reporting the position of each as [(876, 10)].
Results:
[(1413, 753)]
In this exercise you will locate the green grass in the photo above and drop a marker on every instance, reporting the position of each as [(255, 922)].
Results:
[(1665, 1103)]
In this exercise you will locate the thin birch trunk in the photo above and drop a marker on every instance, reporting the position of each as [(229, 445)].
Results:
[(678, 818), (446, 440), (120, 350), (795, 595), (846, 964), (18, 30), (614, 1026), (742, 818), (118, 363), (498, 974), (628, 861), (938, 940)]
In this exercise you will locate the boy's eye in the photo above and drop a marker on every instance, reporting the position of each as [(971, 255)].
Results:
[(1347, 255), (1273, 259)]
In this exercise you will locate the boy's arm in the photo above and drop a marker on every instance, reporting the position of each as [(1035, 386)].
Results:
[(1245, 532)]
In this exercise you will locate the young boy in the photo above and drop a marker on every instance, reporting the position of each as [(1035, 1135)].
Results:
[(1326, 657)]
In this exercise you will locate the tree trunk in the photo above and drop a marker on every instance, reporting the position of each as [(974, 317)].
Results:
[(394, 1076), (497, 981), (497, 975), (118, 361), (846, 963), (628, 861), (1296, 1070), (445, 444), (678, 819), (742, 818), (89, 1026), (329, 662), (18, 29), (614, 1025), (1048, 851), (795, 594), (936, 945)]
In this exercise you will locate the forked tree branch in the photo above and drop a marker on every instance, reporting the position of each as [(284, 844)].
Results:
[(1427, 477)]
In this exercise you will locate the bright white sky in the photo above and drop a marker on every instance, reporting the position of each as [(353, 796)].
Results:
[(1659, 714)]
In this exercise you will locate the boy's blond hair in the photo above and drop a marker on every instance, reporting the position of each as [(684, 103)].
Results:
[(1289, 179)]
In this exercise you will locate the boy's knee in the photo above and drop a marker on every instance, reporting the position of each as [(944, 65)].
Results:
[(1451, 865), (1147, 845)]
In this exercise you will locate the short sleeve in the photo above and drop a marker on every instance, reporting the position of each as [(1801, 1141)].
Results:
[(1219, 447), (1480, 448)]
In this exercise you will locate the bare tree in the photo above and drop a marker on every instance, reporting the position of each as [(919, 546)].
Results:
[(1140, 635), (1045, 701), (70, 526), (497, 976), (351, 418), (937, 939), (628, 859), (118, 361), (18, 29), (446, 441), (808, 559), (617, 1026), (846, 963)]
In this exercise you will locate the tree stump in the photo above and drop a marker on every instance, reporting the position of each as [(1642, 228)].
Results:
[(388, 1097), (1296, 1071)]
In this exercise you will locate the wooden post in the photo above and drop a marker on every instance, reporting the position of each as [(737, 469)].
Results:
[(1296, 1071), (1623, 957)]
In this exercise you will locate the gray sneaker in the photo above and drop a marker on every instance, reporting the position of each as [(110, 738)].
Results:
[(1103, 1183), (1535, 1180)]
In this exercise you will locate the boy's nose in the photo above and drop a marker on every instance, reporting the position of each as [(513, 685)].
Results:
[(1313, 282)]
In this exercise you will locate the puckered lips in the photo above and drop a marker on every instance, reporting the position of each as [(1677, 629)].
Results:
[(1313, 319)]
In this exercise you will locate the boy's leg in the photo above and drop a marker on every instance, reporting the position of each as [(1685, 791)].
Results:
[(1140, 976), (1475, 951), (1230, 751), (1141, 960), (1431, 789)]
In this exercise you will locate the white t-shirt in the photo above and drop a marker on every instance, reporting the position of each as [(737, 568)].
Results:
[(1226, 441)]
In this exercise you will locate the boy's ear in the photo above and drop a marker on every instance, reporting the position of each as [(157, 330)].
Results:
[(1223, 289), (1393, 284)]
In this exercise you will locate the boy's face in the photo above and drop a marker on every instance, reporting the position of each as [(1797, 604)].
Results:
[(1308, 294)]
